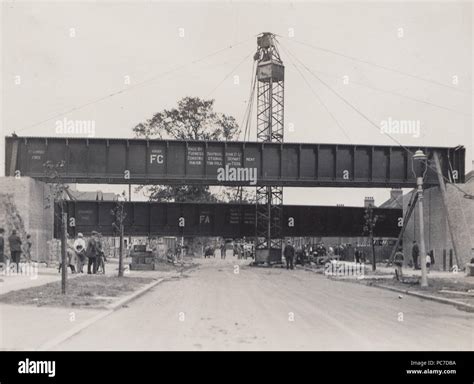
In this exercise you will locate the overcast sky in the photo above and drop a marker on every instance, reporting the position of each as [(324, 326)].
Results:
[(59, 56)]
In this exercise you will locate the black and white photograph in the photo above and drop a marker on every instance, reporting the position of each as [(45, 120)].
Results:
[(237, 176)]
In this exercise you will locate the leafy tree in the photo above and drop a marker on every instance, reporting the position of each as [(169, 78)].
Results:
[(193, 119)]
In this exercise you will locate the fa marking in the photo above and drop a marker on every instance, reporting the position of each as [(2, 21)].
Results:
[(204, 219)]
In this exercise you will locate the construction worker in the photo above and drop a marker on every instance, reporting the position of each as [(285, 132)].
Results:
[(289, 253)]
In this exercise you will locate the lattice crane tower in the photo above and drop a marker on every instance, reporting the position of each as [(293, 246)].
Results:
[(270, 113)]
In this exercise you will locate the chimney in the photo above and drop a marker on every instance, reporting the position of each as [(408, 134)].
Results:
[(395, 193), (369, 201)]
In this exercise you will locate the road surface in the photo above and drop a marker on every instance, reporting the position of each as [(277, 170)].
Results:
[(215, 308)]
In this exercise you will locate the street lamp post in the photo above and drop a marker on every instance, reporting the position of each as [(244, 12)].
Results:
[(419, 170)]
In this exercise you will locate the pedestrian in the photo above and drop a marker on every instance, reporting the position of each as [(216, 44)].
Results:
[(71, 259), (80, 249), (299, 256), (239, 251), (431, 253), (101, 259), (415, 252), (2, 246), (15, 248), (398, 262), (428, 262), (223, 251), (92, 252), (27, 248), (357, 255), (289, 253)]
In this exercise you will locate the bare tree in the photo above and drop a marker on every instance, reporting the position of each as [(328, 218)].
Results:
[(57, 198), (369, 227), (120, 215)]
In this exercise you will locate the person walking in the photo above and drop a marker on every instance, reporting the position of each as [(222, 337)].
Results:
[(101, 259), (428, 263), (357, 254), (92, 252), (239, 251), (27, 248), (15, 248), (223, 251), (2, 246), (289, 253), (398, 262), (80, 249), (415, 252)]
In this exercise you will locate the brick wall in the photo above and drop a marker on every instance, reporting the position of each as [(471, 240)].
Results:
[(437, 235), (23, 207)]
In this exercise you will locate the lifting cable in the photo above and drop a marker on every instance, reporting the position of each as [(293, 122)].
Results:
[(130, 87), (365, 117)]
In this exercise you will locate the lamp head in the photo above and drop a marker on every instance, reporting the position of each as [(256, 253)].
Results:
[(419, 155)]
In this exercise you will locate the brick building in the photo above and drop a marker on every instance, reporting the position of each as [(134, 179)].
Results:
[(24, 207), (437, 235)]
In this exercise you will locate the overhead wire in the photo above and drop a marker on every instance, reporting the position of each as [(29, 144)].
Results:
[(372, 123), (318, 98), (247, 118), (395, 93), (136, 85), (228, 75), (373, 64)]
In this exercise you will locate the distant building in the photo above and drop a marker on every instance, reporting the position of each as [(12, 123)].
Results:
[(369, 202), (74, 194)]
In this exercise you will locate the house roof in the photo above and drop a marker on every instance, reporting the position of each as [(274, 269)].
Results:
[(86, 195), (396, 202)]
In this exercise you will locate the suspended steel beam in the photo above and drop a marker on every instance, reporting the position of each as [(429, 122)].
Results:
[(140, 161), (227, 220)]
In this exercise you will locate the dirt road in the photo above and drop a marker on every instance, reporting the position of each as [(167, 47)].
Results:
[(217, 307)]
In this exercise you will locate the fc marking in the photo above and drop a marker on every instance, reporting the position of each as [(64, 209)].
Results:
[(158, 159)]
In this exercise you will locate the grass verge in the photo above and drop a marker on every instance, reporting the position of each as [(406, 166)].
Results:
[(88, 291)]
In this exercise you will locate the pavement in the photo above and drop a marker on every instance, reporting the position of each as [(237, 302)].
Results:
[(33, 276), (19, 332), (381, 268)]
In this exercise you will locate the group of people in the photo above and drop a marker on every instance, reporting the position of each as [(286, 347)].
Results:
[(415, 252), (17, 247), (91, 252), (240, 249)]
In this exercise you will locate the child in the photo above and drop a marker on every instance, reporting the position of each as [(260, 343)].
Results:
[(398, 261), (428, 263)]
